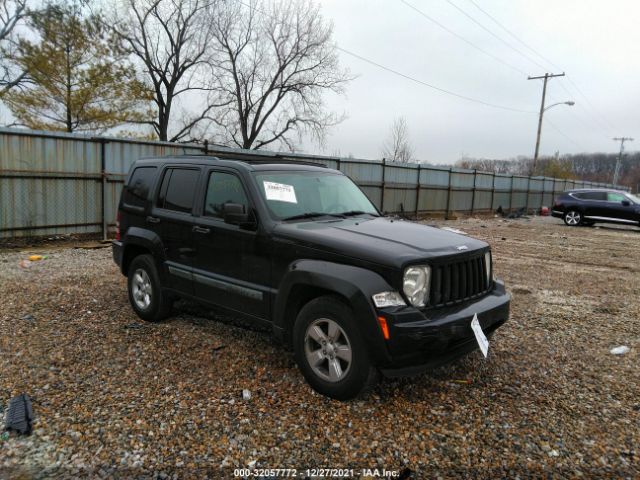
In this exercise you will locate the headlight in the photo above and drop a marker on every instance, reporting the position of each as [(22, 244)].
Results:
[(415, 285), (388, 299), (488, 267)]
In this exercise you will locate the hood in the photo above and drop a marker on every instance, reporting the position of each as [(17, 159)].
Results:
[(381, 240)]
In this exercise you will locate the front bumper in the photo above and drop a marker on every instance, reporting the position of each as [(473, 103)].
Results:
[(420, 340)]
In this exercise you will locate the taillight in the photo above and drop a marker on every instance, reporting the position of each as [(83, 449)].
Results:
[(118, 225)]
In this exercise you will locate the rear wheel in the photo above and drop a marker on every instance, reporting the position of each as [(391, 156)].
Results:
[(329, 349), (145, 290), (573, 218)]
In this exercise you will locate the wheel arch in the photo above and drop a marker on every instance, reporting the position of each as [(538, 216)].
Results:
[(306, 280), (138, 241)]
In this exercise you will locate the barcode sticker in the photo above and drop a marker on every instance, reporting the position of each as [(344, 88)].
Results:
[(280, 192)]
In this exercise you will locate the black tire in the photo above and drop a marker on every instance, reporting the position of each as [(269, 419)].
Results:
[(573, 218), (360, 375), (159, 304)]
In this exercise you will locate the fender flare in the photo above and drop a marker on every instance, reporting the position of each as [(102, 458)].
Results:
[(355, 284), (140, 237)]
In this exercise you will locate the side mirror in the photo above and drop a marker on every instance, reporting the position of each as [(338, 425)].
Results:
[(236, 214), (626, 203)]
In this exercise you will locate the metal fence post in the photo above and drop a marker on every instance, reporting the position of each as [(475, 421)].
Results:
[(103, 189), (473, 192), (493, 190), (384, 172), (418, 192), (446, 215), (526, 204), (511, 195)]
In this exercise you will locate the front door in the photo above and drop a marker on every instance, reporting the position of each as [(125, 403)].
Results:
[(231, 266), (616, 210)]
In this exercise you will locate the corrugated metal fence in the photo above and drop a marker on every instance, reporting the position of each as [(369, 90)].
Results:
[(56, 183)]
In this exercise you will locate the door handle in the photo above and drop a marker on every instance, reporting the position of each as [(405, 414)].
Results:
[(151, 219), (198, 229)]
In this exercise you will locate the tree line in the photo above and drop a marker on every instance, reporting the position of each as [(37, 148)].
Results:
[(249, 74), (592, 167)]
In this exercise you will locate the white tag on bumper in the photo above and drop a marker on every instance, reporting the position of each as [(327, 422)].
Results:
[(483, 343)]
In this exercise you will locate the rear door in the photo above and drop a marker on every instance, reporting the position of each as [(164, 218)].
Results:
[(231, 265), (172, 214), (591, 202), (135, 199)]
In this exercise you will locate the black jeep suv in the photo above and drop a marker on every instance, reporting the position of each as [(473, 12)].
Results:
[(588, 206), (301, 249)]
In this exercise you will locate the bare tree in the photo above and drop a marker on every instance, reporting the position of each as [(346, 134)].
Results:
[(274, 61), (398, 147), (12, 12), (171, 39)]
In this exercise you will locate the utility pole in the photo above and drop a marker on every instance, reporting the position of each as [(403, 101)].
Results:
[(546, 77), (617, 171)]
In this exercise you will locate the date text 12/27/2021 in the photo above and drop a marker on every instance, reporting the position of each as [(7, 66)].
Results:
[(343, 473)]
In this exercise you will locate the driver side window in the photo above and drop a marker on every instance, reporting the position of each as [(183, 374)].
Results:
[(223, 188)]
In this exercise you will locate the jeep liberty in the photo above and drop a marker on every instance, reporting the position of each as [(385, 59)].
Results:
[(301, 249)]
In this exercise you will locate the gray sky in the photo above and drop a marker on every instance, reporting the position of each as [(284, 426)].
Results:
[(596, 43)]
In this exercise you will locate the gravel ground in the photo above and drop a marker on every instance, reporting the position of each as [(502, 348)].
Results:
[(114, 397)]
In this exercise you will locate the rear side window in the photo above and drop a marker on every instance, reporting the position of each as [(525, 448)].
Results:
[(178, 189), (223, 188), (591, 195), (615, 197), (137, 190)]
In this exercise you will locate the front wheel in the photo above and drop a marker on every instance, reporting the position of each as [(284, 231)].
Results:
[(329, 349), (573, 218)]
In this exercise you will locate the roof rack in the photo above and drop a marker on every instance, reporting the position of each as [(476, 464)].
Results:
[(251, 159)]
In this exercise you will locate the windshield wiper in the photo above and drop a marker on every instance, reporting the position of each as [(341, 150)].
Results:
[(352, 213), (313, 215)]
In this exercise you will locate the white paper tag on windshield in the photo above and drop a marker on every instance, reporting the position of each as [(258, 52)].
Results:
[(280, 192), (483, 343)]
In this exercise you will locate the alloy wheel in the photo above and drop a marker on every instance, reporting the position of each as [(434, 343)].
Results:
[(327, 349), (573, 218), (141, 289)]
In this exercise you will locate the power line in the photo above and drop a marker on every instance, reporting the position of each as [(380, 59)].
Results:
[(606, 122), (421, 82), (607, 125), (500, 60), (460, 37), (408, 77), (513, 35), (490, 32), (555, 127)]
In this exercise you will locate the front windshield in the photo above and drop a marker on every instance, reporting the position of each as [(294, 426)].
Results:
[(296, 194), (633, 198)]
